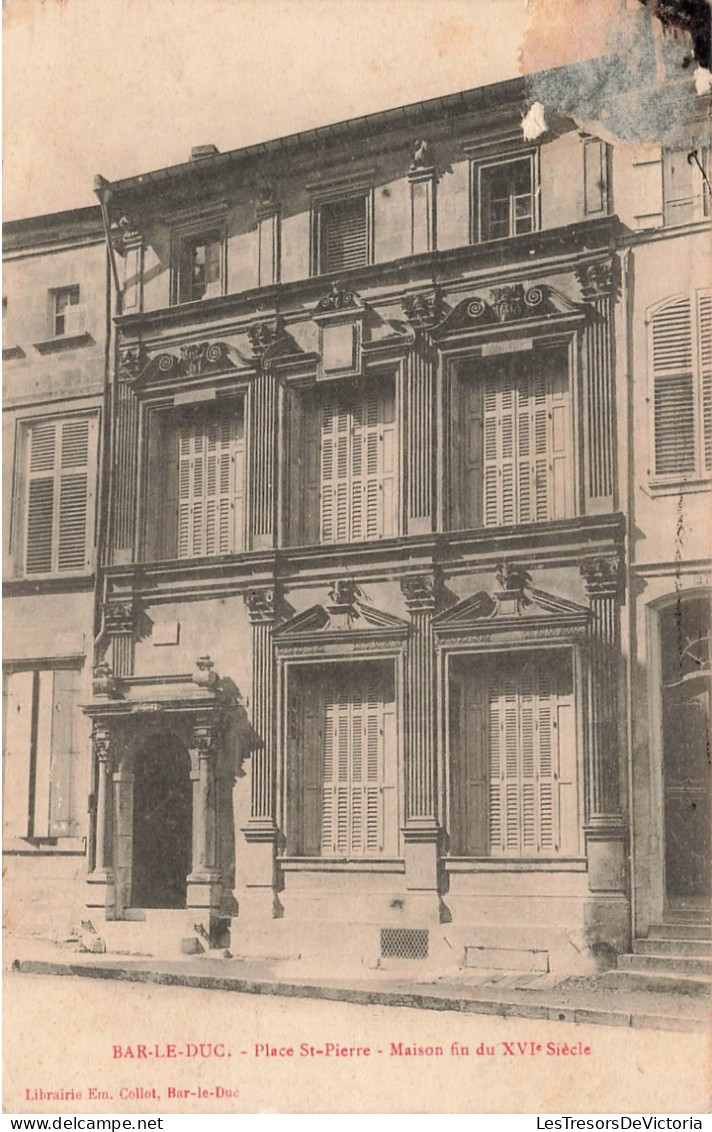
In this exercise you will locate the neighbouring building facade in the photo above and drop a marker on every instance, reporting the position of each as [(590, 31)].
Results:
[(403, 599)]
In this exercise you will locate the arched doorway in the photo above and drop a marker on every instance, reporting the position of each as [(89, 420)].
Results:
[(162, 823)]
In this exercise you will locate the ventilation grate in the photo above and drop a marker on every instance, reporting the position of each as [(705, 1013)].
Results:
[(404, 943)]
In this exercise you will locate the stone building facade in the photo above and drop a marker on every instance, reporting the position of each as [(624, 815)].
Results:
[(409, 457)]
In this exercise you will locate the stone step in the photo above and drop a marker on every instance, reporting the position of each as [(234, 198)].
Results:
[(668, 964), (656, 982), (679, 931), (673, 947)]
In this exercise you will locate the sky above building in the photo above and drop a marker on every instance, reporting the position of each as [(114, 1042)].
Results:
[(123, 86)]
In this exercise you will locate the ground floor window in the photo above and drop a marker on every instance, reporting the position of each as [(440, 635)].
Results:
[(42, 722), (342, 761), (513, 756)]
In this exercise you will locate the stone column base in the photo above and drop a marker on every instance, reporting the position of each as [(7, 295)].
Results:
[(421, 851), (258, 899), (101, 892), (607, 912), (204, 891)]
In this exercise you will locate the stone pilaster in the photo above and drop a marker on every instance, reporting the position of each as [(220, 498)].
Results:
[(422, 310), (120, 624), (422, 180), (204, 881), (100, 881), (607, 912), (264, 338), (268, 231), (421, 832), (597, 281), (258, 867)]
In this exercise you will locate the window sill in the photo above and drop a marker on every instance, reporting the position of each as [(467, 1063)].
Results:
[(59, 583), (341, 865), (10, 353), (64, 846), (678, 486), (515, 864), (64, 342)]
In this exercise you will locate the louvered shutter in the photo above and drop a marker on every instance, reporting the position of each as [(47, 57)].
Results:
[(59, 495), (17, 753), (469, 832), (211, 459), (62, 777), (344, 234), (162, 487), (527, 468), (358, 803), (704, 323), (472, 425), (531, 754), (673, 389), (335, 487)]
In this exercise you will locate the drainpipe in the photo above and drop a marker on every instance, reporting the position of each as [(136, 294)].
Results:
[(627, 299)]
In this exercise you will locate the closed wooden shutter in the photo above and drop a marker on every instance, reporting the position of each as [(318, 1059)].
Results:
[(527, 467), (469, 834), (162, 487), (211, 462), (17, 753), (704, 323), (358, 467), (531, 754), (343, 232), (674, 392), (472, 450), (60, 490)]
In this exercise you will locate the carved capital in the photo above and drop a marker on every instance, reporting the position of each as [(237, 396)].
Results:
[(422, 156), (596, 279), (261, 605), (603, 575), (104, 683), (421, 593), (120, 618), (101, 744), (423, 310)]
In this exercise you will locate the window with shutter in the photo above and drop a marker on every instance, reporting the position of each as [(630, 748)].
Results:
[(507, 198), (515, 442), (685, 185), (344, 234), (211, 470), (680, 352), (345, 759), (57, 486), (40, 750), (358, 484), (514, 758)]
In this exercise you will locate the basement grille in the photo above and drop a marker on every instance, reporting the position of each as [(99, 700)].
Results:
[(404, 943)]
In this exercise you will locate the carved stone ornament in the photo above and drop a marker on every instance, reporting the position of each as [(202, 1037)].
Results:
[(202, 739), (119, 618), (124, 233), (339, 299), (423, 310), (261, 604), (508, 302), (204, 676), (512, 577), (603, 575), (264, 336), (422, 156), (195, 359), (420, 592), (132, 360), (595, 279), (344, 594), (104, 682)]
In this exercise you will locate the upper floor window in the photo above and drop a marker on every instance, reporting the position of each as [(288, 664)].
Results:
[(54, 517), (344, 465), (680, 350), (67, 315), (512, 438), (41, 790), (196, 482), (507, 198), (343, 234), (199, 265), (686, 186)]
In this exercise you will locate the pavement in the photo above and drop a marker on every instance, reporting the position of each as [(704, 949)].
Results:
[(508, 994)]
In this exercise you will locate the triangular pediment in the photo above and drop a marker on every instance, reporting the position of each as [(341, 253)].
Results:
[(323, 621), (510, 606)]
